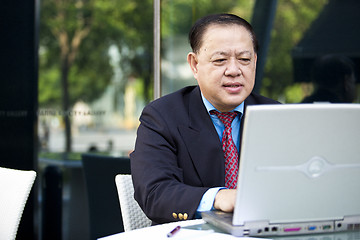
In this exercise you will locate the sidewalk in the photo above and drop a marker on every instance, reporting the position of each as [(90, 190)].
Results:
[(122, 140)]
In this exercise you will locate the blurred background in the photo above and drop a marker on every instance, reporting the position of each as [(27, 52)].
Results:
[(77, 73)]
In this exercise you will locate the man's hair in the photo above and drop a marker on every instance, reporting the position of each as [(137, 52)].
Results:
[(199, 28)]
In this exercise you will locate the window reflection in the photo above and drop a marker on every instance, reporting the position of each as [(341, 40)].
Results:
[(96, 68), (330, 40), (334, 79), (95, 74), (177, 17), (96, 61)]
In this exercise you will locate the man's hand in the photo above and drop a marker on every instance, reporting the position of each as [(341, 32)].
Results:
[(225, 200)]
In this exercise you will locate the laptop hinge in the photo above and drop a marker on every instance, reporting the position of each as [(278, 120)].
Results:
[(258, 227), (348, 223)]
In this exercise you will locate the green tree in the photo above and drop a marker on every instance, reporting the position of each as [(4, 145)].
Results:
[(177, 16), (293, 18), (75, 36)]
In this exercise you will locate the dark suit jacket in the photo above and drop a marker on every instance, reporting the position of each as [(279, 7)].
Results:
[(178, 155)]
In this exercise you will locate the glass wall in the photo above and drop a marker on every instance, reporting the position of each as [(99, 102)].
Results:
[(177, 17), (298, 36), (96, 69), (96, 61), (95, 74)]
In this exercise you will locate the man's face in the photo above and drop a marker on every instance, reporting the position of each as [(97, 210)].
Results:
[(225, 65)]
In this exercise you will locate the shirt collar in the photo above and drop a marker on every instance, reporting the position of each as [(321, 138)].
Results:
[(210, 107)]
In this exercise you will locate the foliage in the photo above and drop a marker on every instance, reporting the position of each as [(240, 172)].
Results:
[(129, 25), (126, 24), (292, 19), (179, 15), (76, 35)]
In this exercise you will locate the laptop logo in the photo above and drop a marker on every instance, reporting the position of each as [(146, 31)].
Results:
[(313, 168)]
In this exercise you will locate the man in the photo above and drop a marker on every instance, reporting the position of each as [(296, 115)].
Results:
[(178, 164)]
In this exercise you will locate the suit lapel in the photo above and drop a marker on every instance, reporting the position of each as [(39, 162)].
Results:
[(203, 143)]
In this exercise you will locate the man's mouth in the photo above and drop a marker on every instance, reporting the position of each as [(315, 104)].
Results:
[(233, 85)]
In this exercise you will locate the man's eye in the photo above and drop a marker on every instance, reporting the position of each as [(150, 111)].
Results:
[(245, 59), (220, 60)]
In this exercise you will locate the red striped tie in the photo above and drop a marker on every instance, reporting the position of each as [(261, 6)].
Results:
[(229, 148)]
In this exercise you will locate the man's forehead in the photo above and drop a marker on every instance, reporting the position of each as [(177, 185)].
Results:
[(222, 48), (228, 27), (214, 31)]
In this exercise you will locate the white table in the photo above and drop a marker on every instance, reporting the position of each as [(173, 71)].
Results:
[(189, 231), (159, 232)]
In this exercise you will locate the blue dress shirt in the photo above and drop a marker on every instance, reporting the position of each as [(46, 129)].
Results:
[(208, 198)]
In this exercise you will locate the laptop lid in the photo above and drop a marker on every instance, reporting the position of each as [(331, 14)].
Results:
[(299, 162), (299, 167)]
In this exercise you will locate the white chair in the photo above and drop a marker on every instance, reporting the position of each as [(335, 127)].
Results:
[(15, 186), (132, 214)]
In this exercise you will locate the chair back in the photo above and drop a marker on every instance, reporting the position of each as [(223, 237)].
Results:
[(99, 172), (15, 186), (133, 216)]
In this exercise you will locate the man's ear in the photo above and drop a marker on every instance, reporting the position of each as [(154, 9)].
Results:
[(193, 62)]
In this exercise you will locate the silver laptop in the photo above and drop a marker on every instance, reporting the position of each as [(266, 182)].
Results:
[(299, 171)]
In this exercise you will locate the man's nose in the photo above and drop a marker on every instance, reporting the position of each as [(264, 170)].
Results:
[(233, 68)]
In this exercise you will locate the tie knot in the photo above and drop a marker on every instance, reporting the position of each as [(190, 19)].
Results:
[(225, 117)]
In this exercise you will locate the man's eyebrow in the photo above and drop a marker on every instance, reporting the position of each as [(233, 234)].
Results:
[(244, 53), (220, 53), (224, 53)]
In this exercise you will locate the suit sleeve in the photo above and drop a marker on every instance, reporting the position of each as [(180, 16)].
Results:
[(157, 176)]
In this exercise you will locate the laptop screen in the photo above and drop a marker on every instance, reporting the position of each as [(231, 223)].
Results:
[(299, 162)]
